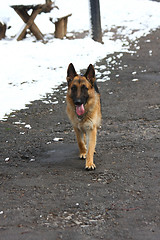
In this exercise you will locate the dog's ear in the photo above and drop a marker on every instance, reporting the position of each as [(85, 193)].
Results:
[(71, 73), (90, 74)]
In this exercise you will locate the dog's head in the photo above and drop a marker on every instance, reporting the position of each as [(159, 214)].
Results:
[(80, 88)]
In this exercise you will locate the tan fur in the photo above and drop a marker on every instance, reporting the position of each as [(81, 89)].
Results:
[(86, 127)]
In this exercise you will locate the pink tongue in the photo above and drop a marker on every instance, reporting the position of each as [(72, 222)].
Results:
[(80, 110)]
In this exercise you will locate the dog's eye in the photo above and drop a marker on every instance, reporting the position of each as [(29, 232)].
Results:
[(74, 88), (84, 88)]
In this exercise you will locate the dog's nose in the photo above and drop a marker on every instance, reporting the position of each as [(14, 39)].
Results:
[(78, 102)]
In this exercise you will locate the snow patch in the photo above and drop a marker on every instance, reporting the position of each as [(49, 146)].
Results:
[(31, 69)]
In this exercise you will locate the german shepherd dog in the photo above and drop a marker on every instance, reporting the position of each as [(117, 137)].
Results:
[(84, 111)]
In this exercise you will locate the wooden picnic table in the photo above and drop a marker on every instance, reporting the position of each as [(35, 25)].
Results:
[(22, 11)]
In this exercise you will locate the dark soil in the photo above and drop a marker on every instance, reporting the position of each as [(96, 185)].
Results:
[(45, 192)]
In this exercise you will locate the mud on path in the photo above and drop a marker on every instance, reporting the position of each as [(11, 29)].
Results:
[(45, 193)]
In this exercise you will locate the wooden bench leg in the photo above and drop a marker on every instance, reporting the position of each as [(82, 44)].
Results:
[(61, 28), (2, 30), (33, 27), (65, 25), (28, 24)]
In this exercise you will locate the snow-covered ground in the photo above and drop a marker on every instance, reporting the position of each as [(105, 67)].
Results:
[(30, 69)]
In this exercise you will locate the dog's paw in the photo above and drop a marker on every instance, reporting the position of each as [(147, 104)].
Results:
[(82, 155), (90, 167)]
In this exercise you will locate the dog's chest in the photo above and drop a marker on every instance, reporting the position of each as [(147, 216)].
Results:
[(85, 125)]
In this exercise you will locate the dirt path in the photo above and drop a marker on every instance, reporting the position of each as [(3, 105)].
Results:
[(46, 194)]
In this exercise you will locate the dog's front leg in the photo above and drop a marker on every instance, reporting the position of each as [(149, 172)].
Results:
[(91, 144), (81, 143)]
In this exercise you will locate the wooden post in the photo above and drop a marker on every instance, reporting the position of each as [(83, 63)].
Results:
[(95, 21)]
